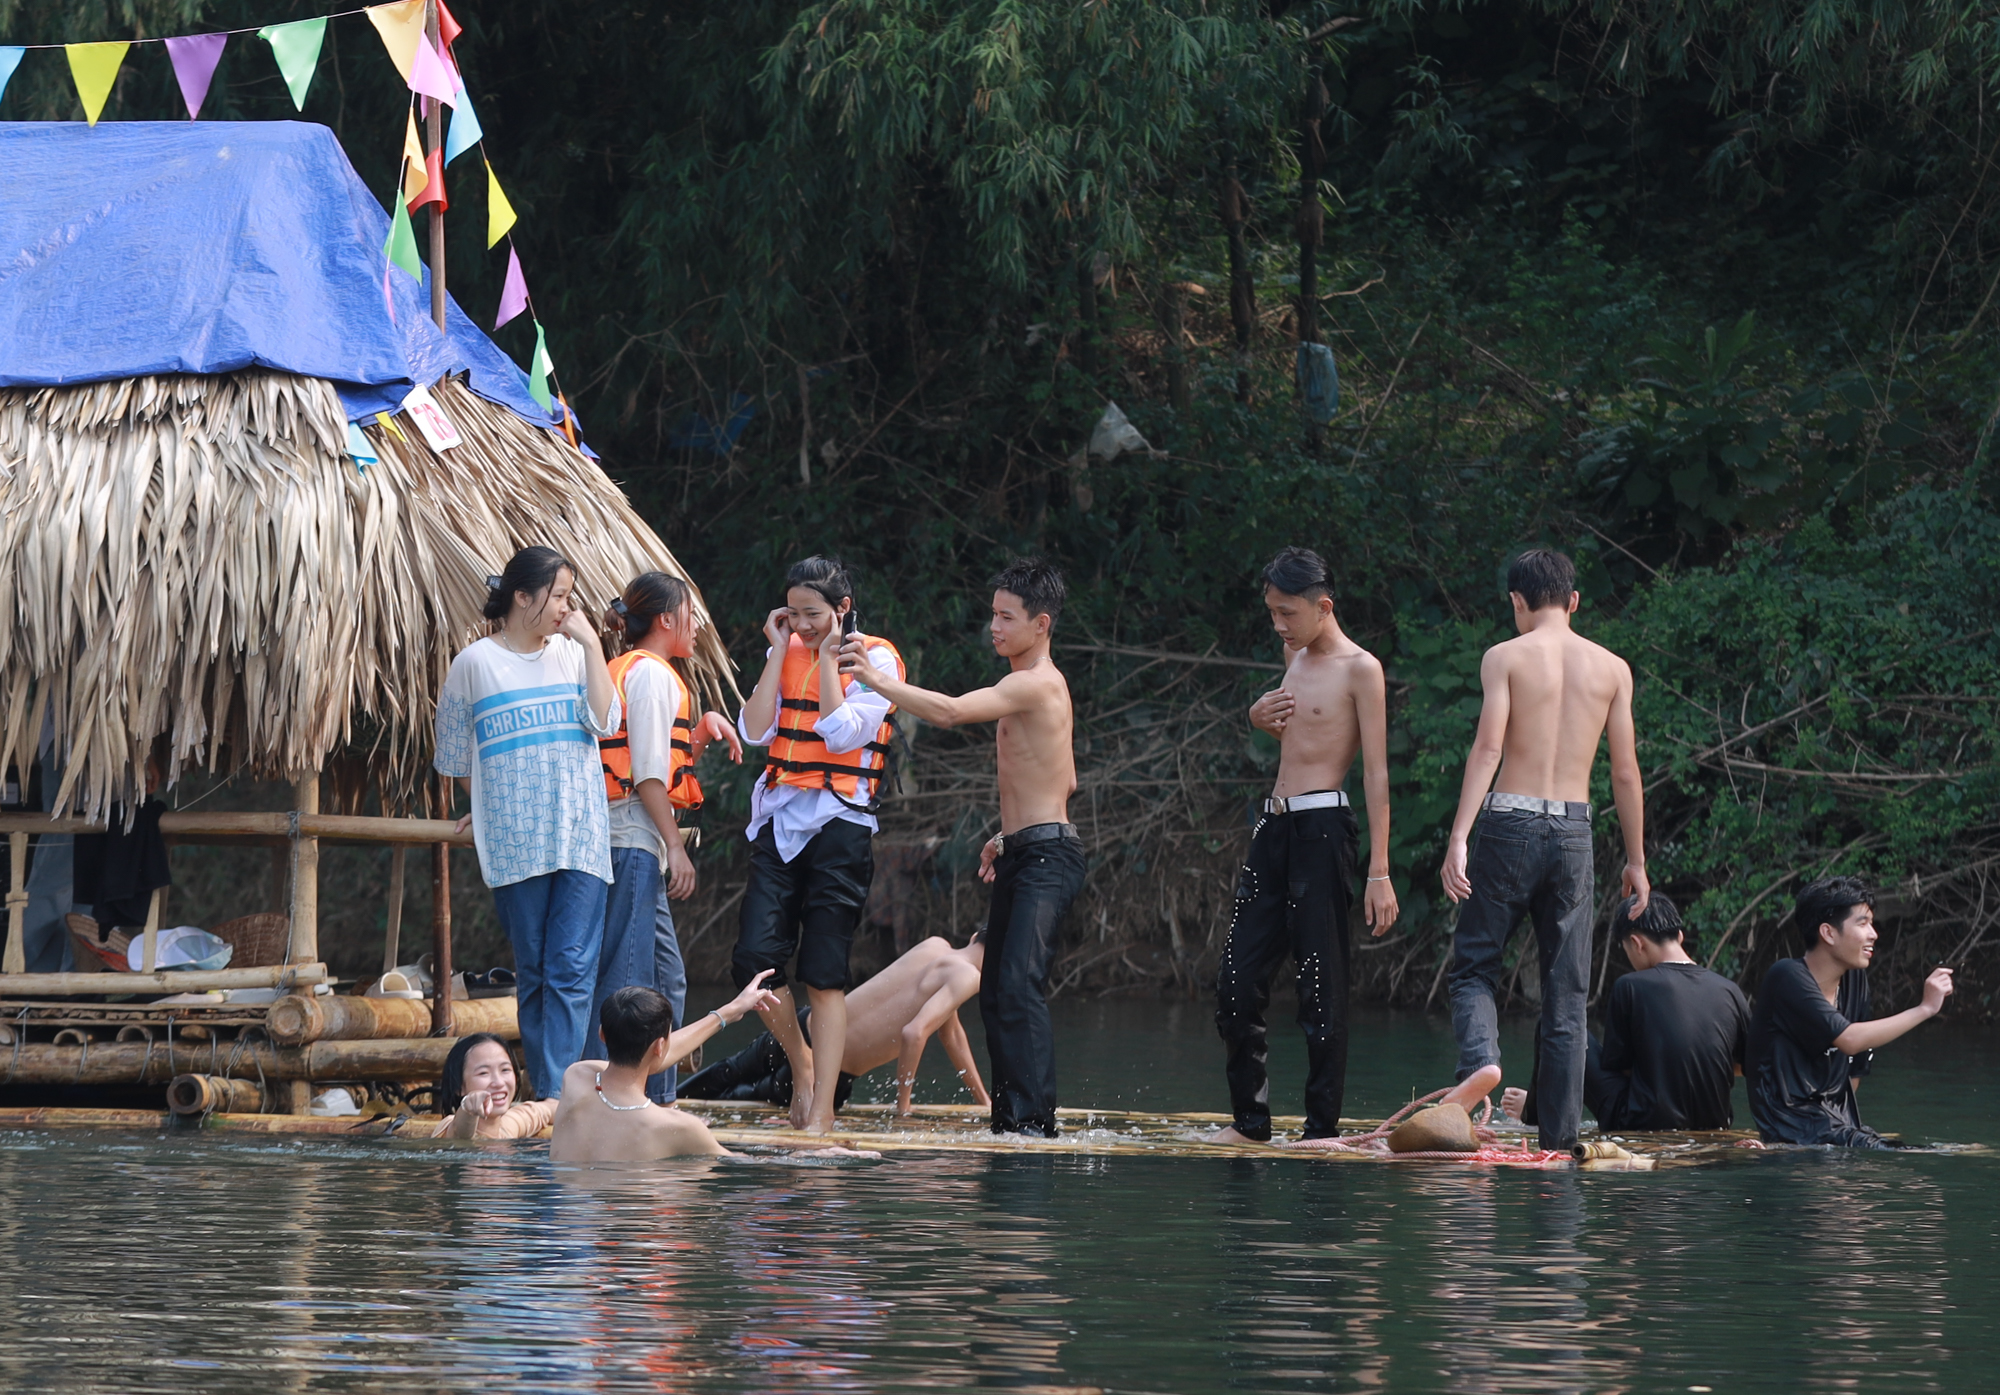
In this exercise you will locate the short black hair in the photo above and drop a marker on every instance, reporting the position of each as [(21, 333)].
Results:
[(1660, 922), (825, 575), (632, 1020), (451, 1082), (1039, 585), (532, 570), (1542, 577), (1298, 571), (1828, 901)]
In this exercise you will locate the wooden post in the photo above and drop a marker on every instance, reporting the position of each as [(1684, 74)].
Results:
[(441, 1023), (16, 959), (434, 140), (305, 877), (393, 935), (149, 953)]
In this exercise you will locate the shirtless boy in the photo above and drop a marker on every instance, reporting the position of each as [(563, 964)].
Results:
[(1550, 696), (1036, 863), (891, 1017), (605, 1115), (1296, 888)]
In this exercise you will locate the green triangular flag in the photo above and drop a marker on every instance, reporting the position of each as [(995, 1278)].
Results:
[(401, 248), (539, 368), (296, 47)]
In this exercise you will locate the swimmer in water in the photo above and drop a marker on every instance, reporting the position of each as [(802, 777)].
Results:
[(605, 1116)]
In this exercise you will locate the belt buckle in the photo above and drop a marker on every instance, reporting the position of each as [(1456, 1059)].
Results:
[(1278, 804)]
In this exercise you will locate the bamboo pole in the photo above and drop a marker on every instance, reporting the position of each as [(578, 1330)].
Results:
[(165, 981), (191, 828), (143, 1063), (434, 139), (149, 954), (214, 1094), (442, 1024), (305, 876), (303, 1018), (15, 960), (392, 934)]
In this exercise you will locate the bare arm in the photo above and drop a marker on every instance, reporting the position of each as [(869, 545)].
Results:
[(959, 1049), (1628, 791), (760, 713), (754, 998), (1371, 708), (1866, 1036), (1482, 763), (917, 1031), (596, 673), (679, 867), (1010, 695)]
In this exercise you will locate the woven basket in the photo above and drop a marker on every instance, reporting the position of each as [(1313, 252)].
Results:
[(259, 940)]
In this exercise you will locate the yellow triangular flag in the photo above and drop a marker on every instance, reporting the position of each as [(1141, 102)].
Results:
[(499, 213), (415, 174), (95, 68), (401, 26)]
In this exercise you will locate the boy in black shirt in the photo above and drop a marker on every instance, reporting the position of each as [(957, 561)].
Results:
[(1674, 1035), (1809, 1047)]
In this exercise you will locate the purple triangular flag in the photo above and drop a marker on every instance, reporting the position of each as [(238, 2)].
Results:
[(195, 57), (513, 295)]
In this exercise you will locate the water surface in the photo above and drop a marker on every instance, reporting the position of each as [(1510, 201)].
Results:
[(137, 1262)]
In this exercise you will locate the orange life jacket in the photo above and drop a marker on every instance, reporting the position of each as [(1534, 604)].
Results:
[(798, 754), (615, 752)]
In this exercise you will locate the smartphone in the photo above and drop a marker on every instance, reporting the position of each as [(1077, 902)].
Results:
[(848, 624)]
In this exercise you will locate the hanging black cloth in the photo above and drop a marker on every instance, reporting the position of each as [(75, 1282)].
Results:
[(117, 872)]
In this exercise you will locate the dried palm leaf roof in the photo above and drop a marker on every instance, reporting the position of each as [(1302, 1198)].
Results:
[(202, 575)]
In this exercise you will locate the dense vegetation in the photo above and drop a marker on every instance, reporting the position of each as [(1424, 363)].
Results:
[(1703, 294)]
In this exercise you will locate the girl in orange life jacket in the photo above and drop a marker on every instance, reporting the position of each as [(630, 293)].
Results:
[(648, 766), (811, 821)]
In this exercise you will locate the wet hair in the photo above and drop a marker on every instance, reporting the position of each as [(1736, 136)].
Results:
[(1542, 577), (451, 1084), (1039, 585), (649, 596), (1828, 901), (822, 574), (532, 569), (632, 1020), (1660, 922), (1298, 571)]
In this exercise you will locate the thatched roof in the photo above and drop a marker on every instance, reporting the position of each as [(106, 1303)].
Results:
[(201, 574)]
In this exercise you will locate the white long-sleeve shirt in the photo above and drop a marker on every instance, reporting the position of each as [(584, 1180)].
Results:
[(796, 813)]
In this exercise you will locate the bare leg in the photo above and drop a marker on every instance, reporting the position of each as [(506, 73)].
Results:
[(829, 1019), (1474, 1088), (783, 1023)]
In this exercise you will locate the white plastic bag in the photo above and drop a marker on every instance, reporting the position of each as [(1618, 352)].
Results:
[(1115, 434)]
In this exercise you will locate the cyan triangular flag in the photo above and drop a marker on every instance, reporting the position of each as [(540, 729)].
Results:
[(464, 132), (358, 447), (296, 47), (10, 59)]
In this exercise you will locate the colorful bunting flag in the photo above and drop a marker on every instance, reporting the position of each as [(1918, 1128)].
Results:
[(358, 447), (434, 182), (430, 77), (95, 68), (401, 248), (388, 423), (464, 132), (401, 26), (539, 368), (499, 213), (10, 59), (513, 294), (416, 176), (448, 28), (194, 59), (296, 47)]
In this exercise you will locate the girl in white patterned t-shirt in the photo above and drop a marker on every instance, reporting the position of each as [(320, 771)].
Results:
[(518, 723)]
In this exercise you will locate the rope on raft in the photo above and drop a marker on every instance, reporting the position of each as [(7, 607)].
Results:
[(1375, 1143)]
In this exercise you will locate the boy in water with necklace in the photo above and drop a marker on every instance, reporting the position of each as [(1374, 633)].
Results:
[(1295, 889)]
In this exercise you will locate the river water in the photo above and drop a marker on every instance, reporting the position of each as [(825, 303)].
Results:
[(139, 1262)]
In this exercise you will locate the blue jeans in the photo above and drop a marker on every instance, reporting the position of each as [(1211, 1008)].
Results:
[(1538, 867), (555, 923), (625, 960), (671, 978)]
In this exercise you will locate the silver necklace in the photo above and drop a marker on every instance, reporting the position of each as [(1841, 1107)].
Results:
[(533, 658), (621, 1108)]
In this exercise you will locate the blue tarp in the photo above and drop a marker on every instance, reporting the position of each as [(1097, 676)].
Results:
[(209, 246)]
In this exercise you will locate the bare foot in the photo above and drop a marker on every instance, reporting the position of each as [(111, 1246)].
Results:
[(1229, 1135), (1474, 1088), (818, 1125), (1513, 1100), (802, 1099)]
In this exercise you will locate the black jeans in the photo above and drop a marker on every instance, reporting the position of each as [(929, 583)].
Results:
[(810, 904), (1032, 889), (1605, 1092), (1533, 866), (1293, 896), (760, 1071)]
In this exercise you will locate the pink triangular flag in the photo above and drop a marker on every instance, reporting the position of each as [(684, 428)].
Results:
[(195, 57), (430, 77), (513, 295)]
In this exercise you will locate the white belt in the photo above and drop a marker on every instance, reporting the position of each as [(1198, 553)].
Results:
[(1528, 804), (1299, 803)]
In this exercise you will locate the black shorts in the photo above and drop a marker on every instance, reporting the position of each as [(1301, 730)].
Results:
[(810, 905)]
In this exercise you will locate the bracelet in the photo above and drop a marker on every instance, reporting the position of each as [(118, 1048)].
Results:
[(720, 1020), (1378, 879)]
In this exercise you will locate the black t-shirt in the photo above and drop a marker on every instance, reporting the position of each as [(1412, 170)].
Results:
[(1801, 1084), (1680, 1031)]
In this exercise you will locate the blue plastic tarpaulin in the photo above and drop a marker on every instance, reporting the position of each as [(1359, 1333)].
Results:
[(206, 247)]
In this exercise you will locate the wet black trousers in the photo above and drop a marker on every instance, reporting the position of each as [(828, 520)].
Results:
[(1032, 889), (809, 905), (1292, 896), (760, 1071)]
